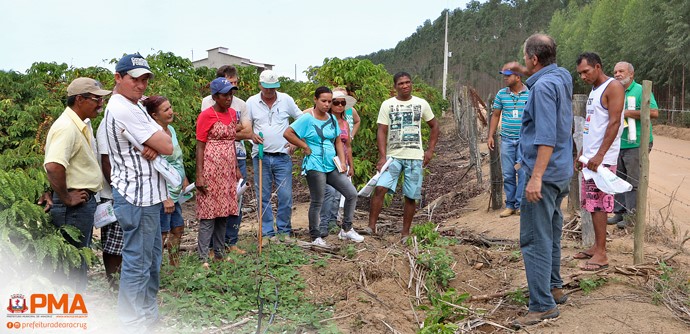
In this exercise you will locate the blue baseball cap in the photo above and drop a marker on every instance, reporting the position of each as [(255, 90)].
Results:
[(509, 72), (133, 64), (221, 85)]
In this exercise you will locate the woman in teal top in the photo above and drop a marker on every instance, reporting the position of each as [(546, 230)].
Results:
[(316, 134), (172, 224)]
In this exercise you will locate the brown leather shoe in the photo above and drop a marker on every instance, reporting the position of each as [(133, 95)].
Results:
[(235, 249), (559, 296), (507, 212), (533, 318)]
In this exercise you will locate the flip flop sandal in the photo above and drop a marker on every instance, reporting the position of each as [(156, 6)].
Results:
[(368, 231), (582, 256), (589, 266)]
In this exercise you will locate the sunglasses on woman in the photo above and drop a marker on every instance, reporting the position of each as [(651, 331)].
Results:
[(339, 103)]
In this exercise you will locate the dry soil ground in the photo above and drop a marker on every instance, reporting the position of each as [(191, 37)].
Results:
[(370, 293)]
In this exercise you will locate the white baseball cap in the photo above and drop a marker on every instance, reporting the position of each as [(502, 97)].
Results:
[(269, 79)]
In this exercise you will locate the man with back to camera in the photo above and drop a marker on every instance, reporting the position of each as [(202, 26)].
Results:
[(270, 112), (138, 191), (628, 167), (546, 146), (399, 136), (600, 144), (508, 107), (72, 167)]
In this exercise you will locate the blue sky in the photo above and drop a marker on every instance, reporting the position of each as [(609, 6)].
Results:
[(281, 32)]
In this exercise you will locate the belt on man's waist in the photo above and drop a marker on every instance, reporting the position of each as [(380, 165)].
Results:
[(274, 153)]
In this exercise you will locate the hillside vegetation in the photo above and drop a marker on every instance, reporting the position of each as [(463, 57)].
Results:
[(652, 35)]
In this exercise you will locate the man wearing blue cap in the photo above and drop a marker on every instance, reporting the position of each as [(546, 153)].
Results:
[(138, 190), (270, 113), (508, 106)]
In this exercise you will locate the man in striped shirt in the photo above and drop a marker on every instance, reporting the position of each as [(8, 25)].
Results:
[(508, 106), (138, 190)]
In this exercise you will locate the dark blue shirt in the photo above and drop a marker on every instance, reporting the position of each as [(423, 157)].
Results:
[(548, 120)]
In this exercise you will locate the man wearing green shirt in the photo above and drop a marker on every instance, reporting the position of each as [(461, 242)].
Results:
[(629, 156)]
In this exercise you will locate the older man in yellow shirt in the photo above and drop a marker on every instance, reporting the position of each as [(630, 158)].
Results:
[(72, 168)]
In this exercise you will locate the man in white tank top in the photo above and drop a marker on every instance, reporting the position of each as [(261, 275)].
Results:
[(600, 144)]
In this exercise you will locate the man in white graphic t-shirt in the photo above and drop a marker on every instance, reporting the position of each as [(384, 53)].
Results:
[(399, 137), (600, 145)]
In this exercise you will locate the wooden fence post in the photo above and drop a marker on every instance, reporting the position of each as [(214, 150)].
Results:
[(496, 174), (475, 154), (587, 227), (579, 101), (641, 211)]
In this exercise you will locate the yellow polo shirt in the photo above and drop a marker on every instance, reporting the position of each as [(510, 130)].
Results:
[(69, 144)]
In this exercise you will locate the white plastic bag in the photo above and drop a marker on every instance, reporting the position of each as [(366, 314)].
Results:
[(104, 214), (605, 179), (369, 187), (632, 126), (161, 165), (242, 186), (186, 193)]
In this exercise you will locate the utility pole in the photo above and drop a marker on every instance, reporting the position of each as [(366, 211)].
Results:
[(445, 58)]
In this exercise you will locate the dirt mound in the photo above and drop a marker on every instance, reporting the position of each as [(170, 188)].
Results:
[(672, 132)]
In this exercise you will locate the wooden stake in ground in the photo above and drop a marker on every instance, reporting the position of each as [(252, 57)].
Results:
[(260, 213), (496, 175), (641, 210), (580, 109)]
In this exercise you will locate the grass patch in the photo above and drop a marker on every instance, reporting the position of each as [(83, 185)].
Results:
[(230, 291)]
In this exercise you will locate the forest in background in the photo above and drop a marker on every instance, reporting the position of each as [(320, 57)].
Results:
[(652, 35)]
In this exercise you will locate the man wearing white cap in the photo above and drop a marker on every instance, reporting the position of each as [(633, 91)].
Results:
[(270, 113), (138, 190), (72, 168)]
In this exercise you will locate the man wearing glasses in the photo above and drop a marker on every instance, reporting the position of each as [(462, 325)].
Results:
[(508, 106), (71, 165), (270, 113)]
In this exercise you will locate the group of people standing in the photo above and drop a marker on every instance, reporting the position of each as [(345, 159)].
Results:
[(537, 159), (120, 166)]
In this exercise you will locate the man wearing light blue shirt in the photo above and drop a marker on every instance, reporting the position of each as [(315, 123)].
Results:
[(546, 147), (270, 113), (508, 107)]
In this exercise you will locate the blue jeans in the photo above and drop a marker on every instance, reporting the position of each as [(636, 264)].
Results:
[(329, 209), (513, 181), (277, 172), (81, 217), (171, 220), (233, 227), (141, 262), (317, 185), (541, 226)]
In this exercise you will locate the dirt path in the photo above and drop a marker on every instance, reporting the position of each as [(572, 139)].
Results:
[(670, 171)]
